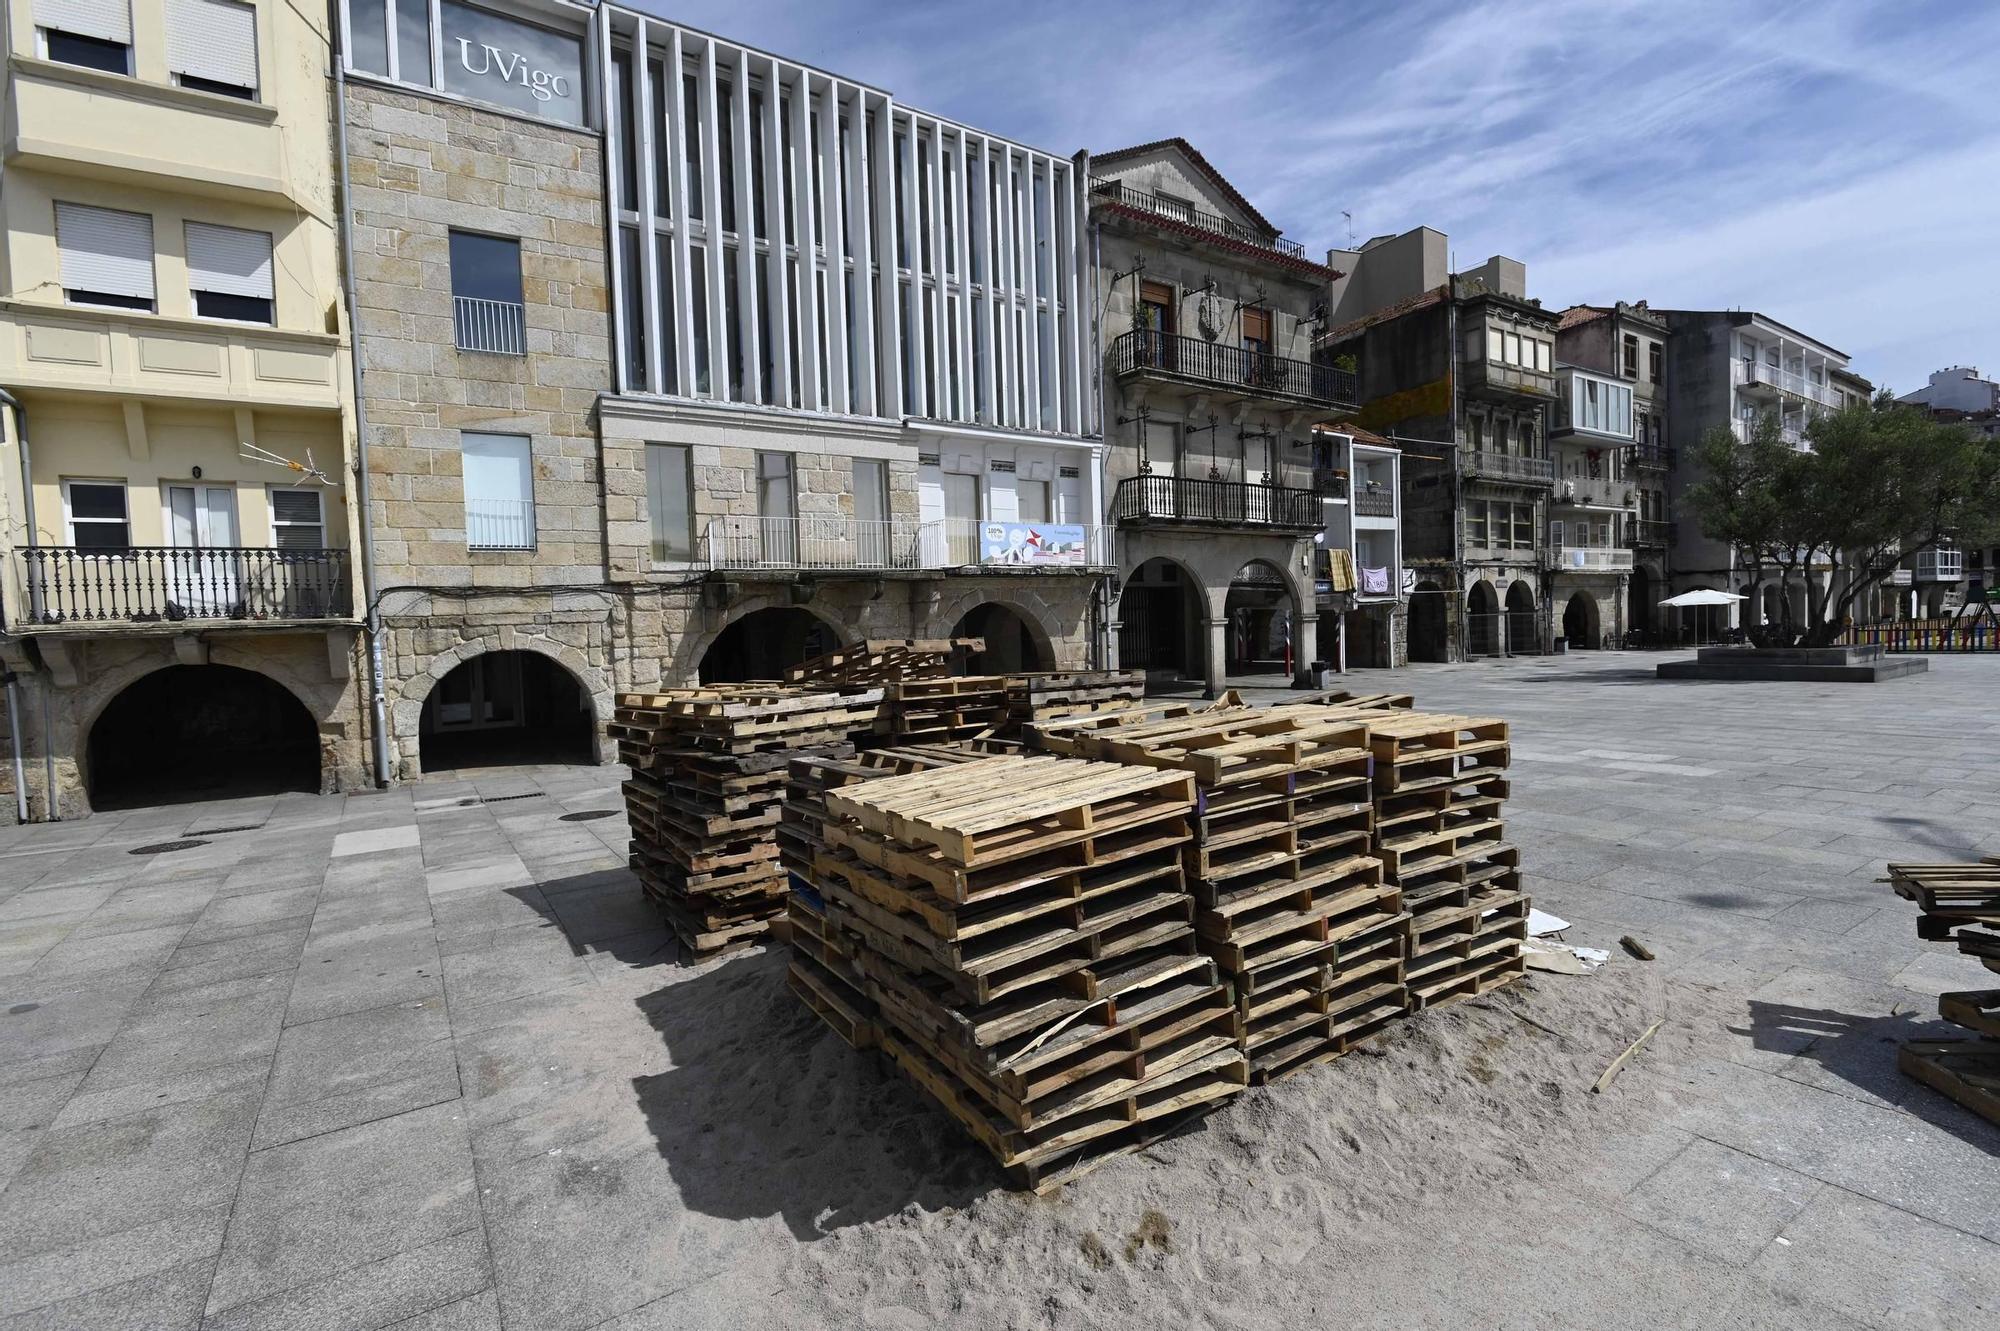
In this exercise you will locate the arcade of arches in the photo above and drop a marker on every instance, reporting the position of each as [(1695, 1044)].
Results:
[(1169, 624), (506, 707), (200, 732)]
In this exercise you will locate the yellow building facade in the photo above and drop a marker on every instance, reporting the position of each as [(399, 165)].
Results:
[(170, 323)]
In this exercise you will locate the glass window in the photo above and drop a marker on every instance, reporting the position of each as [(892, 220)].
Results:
[(69, 48), (1511, 348), (487, 313), (513, 64), (229, 273), (1031, 500), (413, 41), (97, 515), (298, 519), (93, 34), (1524, 526), (670, 500), (499, 486), (212, 46), (105, 256), (1475, 523), (1543, 356), (368, 36), (775, 495)]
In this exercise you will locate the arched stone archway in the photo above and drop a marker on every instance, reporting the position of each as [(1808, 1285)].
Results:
[(1162, 615), (506, 708), (1263, 613), (1014, 643), (192, 732), (1581, 622), (1043, 639), (1429, 634), (764, 644), (1524, 637), (1641, 612), (406, 711), (1482, 620), (694, 646)]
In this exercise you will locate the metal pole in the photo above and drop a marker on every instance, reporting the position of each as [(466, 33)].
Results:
[(54, 809), (378, 710)]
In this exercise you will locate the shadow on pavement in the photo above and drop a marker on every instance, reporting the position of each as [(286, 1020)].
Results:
[(1860, 1049)]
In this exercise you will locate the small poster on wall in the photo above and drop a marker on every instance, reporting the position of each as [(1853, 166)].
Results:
[(1031, 543)]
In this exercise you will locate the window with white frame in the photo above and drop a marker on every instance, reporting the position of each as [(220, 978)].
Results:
[(212, 46), (98, 516), (92, 34), (498, 475), (229, 273), (298, 518), (479, 54), (105, 256), (670, 500)]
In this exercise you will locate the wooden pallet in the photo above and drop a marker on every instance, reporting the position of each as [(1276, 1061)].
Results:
[(1222, 746), (880, 660), (1951, 896), (1977, 1010), (1967, 1071)]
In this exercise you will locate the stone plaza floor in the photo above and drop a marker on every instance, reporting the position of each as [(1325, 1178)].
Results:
[(422, 1057)]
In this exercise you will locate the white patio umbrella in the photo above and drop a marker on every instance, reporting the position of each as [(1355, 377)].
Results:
[(1703, 596)]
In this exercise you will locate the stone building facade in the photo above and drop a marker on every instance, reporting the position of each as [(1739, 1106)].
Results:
[(1211, 396)]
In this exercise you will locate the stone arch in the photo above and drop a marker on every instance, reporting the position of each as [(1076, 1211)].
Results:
[(693, 645), (1255, 635), (1482, 619), (1523, 635), (238, 728), (1641, 594), (1015, 642), (406, 710), (952, 612), (1429, 624), (1581, 622)]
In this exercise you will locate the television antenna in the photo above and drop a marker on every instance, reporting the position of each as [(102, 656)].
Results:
[(307, 470)]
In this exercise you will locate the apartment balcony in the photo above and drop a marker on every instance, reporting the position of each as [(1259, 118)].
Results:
[(838, 544), (1379, 503), (1649, 533), (85, 122), (1594, 492), (69, 586), (1231, 373), (1181, 501), (1659, 458), (1590, 559), (1760, 379), (1488, 378), (498, 327), (1940, 565), (133, 353), (1172, 210), (1899, 577), (1482, 465)]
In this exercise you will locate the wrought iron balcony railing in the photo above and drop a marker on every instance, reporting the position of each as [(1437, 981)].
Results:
[(1117, 191), (1215, 364), (1652, 456), (1649, 531), (496, 326), (1506, 467), (166, 584), (1185, 501), (1375, 503)]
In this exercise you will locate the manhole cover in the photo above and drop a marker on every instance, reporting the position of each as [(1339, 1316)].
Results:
[(166, 847), (589, 815)]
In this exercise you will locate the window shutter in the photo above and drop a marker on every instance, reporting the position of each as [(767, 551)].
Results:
[(214, 40), (228, 260), (296, 521), (106, 20), (105, 250)]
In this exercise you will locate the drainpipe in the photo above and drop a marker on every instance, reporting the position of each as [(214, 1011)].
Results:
[(13, 404), (378, 710), (54, 807), (14, 733)]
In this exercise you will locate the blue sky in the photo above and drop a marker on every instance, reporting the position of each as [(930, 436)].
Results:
[(1835, 165)]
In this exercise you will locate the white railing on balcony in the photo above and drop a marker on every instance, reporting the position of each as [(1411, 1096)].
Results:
[(497, 326), (1940, 565), (836, 542), (499, 524), (1592, 558), (1593, 492), (1785, 381)]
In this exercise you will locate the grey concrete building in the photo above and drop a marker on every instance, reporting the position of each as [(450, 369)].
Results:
[(1458, 370), (1210, 401)]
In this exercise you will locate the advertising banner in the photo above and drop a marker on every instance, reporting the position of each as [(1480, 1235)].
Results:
[(1032, 543)]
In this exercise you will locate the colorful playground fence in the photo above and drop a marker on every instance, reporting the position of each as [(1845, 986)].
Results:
[(1927, 635)]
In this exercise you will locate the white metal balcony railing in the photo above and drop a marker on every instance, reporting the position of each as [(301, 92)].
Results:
[(496, 326), (1594, 492), (499, 524), (1900, 577), (838, 542), (1591, 558), (1940, 565), (1764, 374)]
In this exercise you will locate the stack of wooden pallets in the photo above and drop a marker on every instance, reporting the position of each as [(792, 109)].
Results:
[(1021, 927), (880, 660), (1440, 784), (1032, 699), (1960, 903), (708, 774), (942, 711), (1290, 896)]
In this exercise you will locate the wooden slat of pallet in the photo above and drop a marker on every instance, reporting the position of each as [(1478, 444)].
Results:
[(1123, 854), (1967, 1071), (1977, 1010), (820, 991)]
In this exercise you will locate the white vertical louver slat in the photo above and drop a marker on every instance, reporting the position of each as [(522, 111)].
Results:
[(105, 250), (228, 260), (106, 20), (212, 39)]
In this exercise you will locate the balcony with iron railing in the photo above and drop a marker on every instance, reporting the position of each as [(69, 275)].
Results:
[(836, 543), (1593, 492), (1374, 503), (1652, 456), (1239, 371), (1183, 501), (72, 586), (1590, 558), (1484, 465), (1761, 376), (498, 327), (1649, 532), (1173, 210)]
